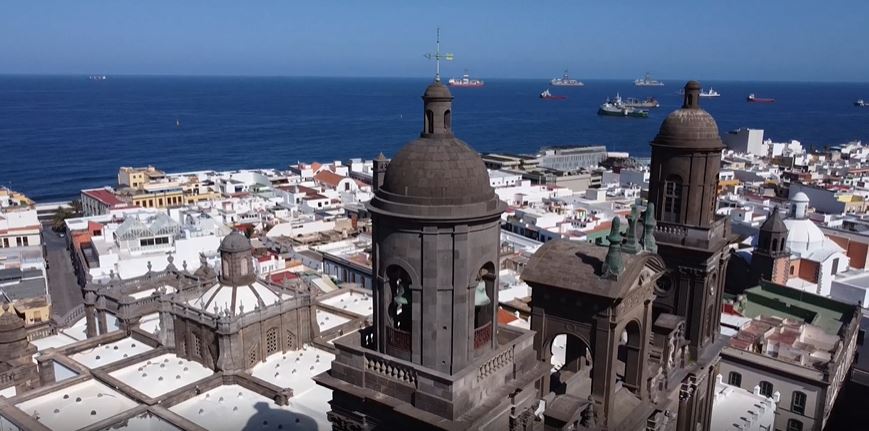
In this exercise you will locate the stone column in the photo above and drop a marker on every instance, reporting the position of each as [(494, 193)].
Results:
[(45, 363)]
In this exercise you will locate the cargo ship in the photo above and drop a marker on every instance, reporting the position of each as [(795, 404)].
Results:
[(616, 108), (549, 96), (649, 102), (465, 81), (647, 81), (754, 99), (566, 81)]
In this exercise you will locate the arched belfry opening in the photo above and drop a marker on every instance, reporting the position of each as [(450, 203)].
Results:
[(399, 327), (483, 291)]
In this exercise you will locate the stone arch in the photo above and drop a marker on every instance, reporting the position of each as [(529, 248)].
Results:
[(483, 283), (572, 361), (399, 307), (629, 355)]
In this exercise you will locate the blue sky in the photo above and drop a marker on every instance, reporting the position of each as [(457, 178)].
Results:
[(733, 39)]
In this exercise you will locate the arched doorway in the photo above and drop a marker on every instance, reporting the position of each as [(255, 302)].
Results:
[(629, 364), (571, 361)]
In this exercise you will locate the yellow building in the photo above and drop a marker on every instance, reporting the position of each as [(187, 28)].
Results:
[(149, 187)]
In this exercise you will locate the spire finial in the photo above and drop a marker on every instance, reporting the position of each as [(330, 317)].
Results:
[(632, 246), (613, 266), (692, 95), (437, 56), (649, 224)]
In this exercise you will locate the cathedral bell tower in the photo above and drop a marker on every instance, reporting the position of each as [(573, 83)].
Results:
[(434, 357), (683, 185), (436, 243)]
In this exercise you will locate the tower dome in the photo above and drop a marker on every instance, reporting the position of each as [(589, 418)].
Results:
[(437, 174), (686, 160), (235, 242), (689, 126)]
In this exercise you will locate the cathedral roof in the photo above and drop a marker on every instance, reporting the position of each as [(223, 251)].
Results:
[(579, 266), (689, 127), (238, 300), (235, 242)]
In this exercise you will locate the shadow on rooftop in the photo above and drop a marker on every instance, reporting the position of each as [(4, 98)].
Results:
[(268, 418)]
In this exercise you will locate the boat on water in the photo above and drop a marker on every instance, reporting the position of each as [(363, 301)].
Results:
[(97, 77), (465, 81), (754, 99), (647, 81), (860, 103), (615, 107), (709, 93), (549, 96), (633, 102), (566, 81)]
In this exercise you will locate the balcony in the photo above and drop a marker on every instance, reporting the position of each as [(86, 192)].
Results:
[(482, 335)]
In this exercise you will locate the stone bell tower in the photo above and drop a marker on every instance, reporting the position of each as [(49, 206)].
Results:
[(435, 256)]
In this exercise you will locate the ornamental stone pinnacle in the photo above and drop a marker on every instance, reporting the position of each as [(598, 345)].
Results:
[(613, 265)]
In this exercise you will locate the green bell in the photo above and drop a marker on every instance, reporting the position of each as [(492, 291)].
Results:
[(480, 297), (400, 299)]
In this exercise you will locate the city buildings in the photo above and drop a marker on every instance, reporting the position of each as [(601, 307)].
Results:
[(23, 279), (793, 345)]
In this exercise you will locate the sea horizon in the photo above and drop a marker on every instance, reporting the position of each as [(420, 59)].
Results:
[(82, 130)]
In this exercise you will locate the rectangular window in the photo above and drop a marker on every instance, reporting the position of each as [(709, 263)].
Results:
[(794, 425), (734, 379), (798, 402), (18, 241), (766, 388), (26, 241)]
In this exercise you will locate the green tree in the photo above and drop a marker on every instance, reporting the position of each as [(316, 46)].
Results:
[(58, 221)]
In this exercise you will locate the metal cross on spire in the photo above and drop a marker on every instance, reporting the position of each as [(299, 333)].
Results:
[(437, 56)]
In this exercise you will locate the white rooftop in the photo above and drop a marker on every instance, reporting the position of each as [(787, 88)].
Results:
[(110, 353), (150, 323), (735, 408), (53, 341), (327, 320), (147, 422), (294, 369), (357, 303), (162, 374), (77, 406), (148, 292), (234, 407)]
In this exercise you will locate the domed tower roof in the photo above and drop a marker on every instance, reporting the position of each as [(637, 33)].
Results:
[(235, 242), (689, 127), (801, 197), (437, 175), (774, 223)]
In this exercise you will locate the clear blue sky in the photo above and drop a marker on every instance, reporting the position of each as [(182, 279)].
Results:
[(707, 39)]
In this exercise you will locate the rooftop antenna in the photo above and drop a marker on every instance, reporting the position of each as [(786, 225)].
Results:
[(437, 56)]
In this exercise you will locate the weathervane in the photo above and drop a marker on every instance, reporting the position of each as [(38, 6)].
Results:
[(437, 56)]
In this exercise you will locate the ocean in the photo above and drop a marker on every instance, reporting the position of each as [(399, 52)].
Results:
[(60, 134)]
